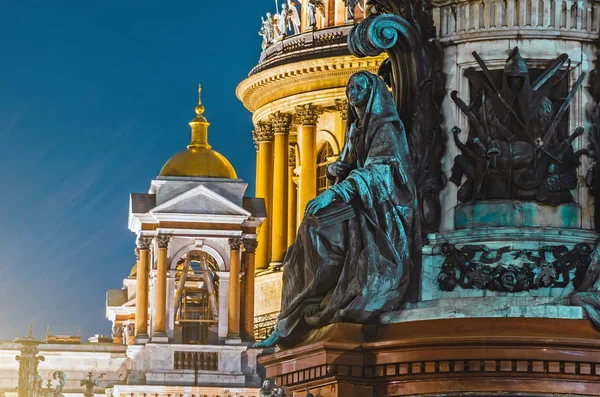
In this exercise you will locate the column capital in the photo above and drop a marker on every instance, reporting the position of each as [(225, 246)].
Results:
[(341, 106), (280, 122), (250, 244), (292, 157), (308, 114), (263, 132), (163, 241), (144, 243), (235, 244), (117, 331)]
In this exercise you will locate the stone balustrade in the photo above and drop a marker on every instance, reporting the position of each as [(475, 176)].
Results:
[(492, 19), (203, 361)]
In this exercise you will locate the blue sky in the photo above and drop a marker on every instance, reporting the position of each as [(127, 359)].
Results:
[(94, 98)]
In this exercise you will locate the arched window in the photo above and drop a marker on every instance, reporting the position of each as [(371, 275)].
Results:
[(197, 298), (325, 153)]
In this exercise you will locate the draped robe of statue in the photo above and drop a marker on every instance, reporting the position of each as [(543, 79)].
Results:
[(352, 258)]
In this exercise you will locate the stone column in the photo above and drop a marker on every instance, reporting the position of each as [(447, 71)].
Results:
[(280, 124), (160, 319), (141, 300), (307, 139), (250, 246), (171, 276), (264, 189), (233, 324), (292, 197)]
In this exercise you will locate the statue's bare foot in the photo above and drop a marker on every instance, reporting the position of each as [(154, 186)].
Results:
[(270, 341), (311, 310)]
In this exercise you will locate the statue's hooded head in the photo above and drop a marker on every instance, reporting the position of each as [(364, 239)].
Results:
[(368, 92)]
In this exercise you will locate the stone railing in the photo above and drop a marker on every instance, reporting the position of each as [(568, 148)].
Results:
[(203, 361), (308, 45), (492, 19)]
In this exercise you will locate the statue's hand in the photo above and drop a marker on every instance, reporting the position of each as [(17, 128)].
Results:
[(339, 169), (319, 202)]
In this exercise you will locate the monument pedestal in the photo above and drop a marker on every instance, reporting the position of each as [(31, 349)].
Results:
[(449, 357)]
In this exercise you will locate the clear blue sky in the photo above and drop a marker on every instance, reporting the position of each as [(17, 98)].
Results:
[(94, 98)]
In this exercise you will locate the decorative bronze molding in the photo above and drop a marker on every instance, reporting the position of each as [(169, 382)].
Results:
[(474, 267)]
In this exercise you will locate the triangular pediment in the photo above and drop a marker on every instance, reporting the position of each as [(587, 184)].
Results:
[(201, 201)]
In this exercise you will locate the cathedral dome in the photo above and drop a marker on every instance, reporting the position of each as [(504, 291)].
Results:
[(199, 160)]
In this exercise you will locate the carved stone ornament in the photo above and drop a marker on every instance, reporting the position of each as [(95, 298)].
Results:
[(292, 157), (137, 254), (308, 114), (144, 243), (519, 146), (250, 245), (163, 241), (280, 122), (475, 267), (341, 105), (262, 133), (235, 244), (130, 329)]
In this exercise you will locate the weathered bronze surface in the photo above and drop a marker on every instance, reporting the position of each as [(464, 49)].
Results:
[(473, 267), (352, 257), (518, 145), (587, 293)]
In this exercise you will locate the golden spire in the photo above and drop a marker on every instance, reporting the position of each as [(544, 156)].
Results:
[(199, 126)]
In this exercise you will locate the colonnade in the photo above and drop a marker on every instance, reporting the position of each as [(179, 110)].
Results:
[(285, 185), (240, 314)]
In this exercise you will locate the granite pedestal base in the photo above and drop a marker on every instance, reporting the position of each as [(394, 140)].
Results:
[(449, 357)]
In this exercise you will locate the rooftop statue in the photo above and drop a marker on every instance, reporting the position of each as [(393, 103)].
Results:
[(292, 18), (351, 259), (312, 7)]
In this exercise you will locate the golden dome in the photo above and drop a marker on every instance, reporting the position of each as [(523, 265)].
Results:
[(199, 160)]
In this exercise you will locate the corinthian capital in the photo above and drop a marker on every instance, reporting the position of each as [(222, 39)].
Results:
[(163, 241), (144, 243), (262, 133), (308, 114), (235, 244), (341, 106), (280, 122), (250, 245)]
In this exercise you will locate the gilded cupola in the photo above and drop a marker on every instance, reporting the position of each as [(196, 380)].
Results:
[(199, 160)]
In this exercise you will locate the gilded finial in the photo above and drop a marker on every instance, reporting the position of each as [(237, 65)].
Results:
[(199, 108)]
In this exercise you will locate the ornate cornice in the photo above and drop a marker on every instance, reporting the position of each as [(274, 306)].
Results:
[(163, 241), (309, 76), (250, 245), (280, 122), (263, 132), (341, 106), (308, 113), (144, 243), (235, 244)]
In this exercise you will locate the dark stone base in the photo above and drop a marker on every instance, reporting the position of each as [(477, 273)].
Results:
[(454, 357)]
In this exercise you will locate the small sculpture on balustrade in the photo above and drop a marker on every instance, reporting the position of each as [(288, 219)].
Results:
[(266, 32), (313, 8), (518, 146)]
